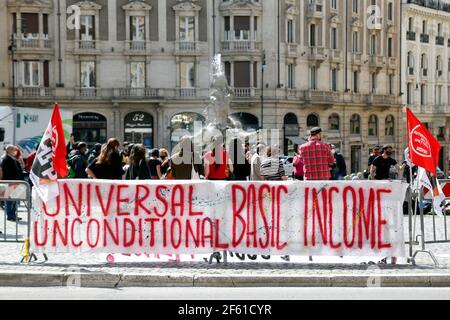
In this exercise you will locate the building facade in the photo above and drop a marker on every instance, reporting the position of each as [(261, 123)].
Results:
[(426, 67), (139, 70)]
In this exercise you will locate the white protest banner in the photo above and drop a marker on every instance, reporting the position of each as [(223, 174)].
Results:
[(358, 218)]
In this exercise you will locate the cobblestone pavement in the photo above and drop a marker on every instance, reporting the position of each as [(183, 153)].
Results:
[(10, 260)]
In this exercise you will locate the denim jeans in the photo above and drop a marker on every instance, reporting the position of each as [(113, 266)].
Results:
[(11, 208)]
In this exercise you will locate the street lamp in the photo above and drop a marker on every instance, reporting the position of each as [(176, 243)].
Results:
[(12, 48), (263, 67)]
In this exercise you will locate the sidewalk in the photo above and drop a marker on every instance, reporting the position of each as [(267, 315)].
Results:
[(93, 270)]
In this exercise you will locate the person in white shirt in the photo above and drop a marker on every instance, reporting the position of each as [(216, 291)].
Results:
[(255, 163)]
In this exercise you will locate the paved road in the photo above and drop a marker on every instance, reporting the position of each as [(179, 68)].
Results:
[(233, 294)]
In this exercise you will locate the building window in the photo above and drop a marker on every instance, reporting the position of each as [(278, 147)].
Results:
[(312, 35), (291, 72), (355, 41), (290, 31), (312, 121), (88, 74), (31, 74), (355, 124), (334, 86), (187, 75), (87, 28), (390, 49), (373, 45), (356, 159), (334, 4), (355, 6), (137, 74), (391, 84), (242, 28), (187, 29), (373, 81), (334, 38), (373, 126), (389, 126), (137, 28), (423, 94), (409, 93), (333, 122), (313, 78), (355, 81), (390, 11)]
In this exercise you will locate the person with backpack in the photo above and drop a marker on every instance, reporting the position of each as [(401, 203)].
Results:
[(77, 162)]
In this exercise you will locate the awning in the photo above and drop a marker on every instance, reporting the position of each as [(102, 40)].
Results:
[(297, 140)]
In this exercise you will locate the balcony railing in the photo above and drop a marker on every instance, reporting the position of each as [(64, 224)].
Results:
[(392, 61), (335, 55), (241, 46), (410, 35), (440, 41), (34, 92), (34, 41), (424, 73), (380, 99), (321, 96), (136, 45), (186, 92), (244, 92), (356, 58), (87, 92), (136, 92), (86, 45), (187, 47), (292, 49), (376, 61), (315, 10), (316, 53), (424, 38)]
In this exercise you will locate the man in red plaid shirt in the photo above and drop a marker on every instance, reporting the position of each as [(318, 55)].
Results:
[(317, 157)]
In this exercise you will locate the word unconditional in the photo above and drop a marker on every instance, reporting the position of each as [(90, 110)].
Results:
[(303, 218)]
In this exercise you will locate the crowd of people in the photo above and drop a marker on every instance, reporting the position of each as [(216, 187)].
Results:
[(314, 160)]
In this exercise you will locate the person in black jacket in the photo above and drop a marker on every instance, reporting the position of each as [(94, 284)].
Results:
[(238, 157), (138, 168), (108, 164), (78, 161), (12, 171), (339, 170)]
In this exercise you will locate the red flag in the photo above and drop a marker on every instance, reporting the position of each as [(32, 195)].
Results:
[(58, 144), (423, 147), (50, 161)]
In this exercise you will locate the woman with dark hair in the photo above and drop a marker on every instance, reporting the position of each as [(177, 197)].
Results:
[(108, 164), (138, 168), (154, 165), (238, 157), (218, 165)]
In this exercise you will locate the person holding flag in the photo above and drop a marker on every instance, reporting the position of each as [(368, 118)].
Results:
[(50, 162)]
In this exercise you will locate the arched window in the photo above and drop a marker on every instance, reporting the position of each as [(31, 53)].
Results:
[(355, 124), (410, 59), (312, 121), (246, 121), (424, 61), (183, 124), (333, 122), (373, 126), (139, 128), (389, 126)]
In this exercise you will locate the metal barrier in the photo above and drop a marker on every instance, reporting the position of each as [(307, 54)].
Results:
[(17, 192), (418, 197)]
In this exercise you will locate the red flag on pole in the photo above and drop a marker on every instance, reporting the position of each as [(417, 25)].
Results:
[(50, 161), (58, 144), (423, 146)]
